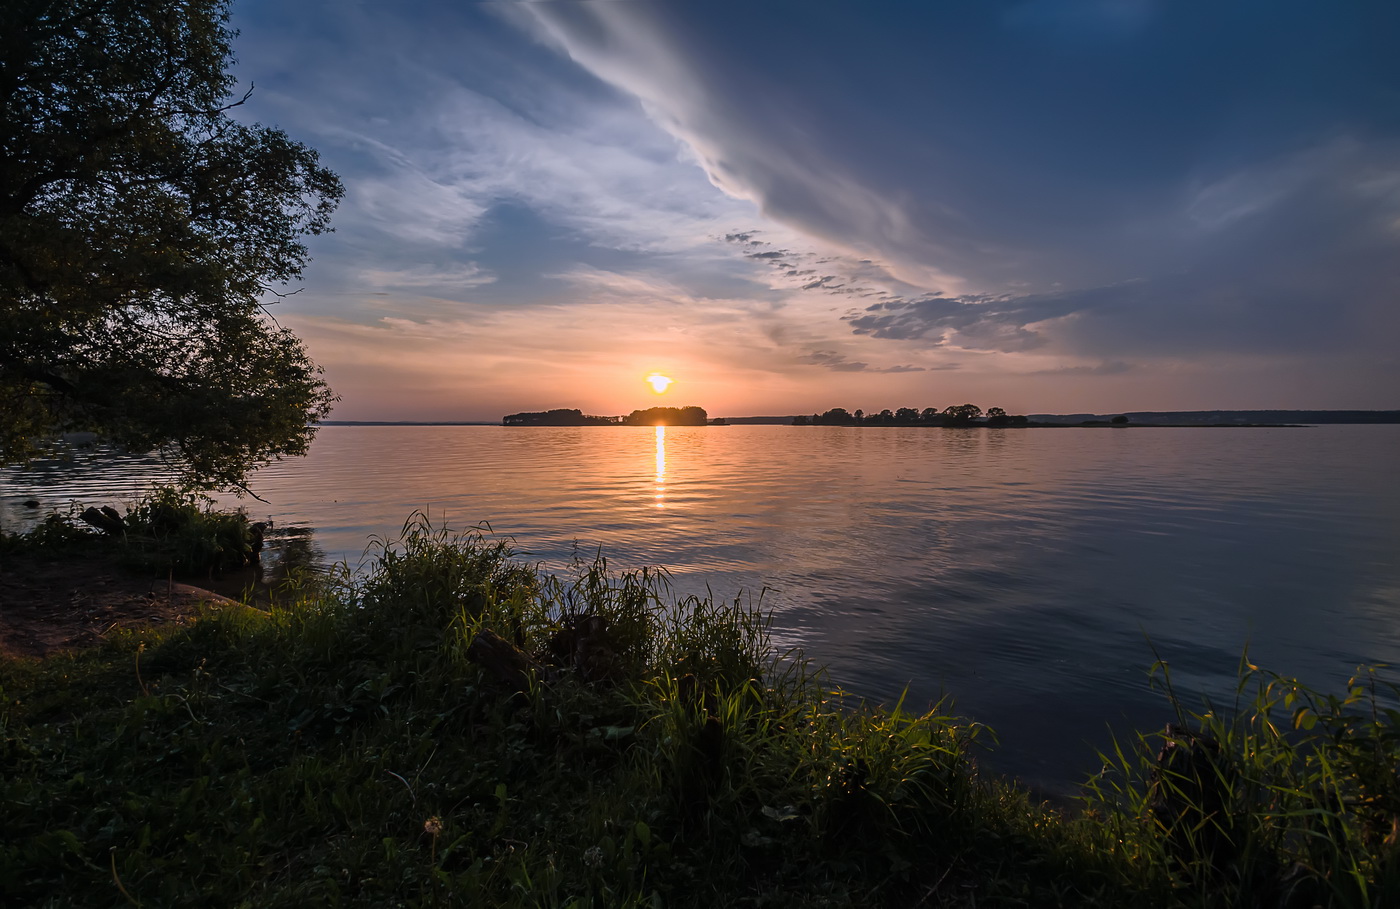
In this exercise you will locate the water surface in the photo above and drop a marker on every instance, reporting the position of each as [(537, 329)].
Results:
[(1029, 573)]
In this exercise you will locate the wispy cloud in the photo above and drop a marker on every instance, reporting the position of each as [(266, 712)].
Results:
[(838, 363)]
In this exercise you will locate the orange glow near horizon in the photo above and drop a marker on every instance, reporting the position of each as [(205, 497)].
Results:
[(659, 383)]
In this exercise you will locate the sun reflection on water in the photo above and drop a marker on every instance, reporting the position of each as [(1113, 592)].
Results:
[(661, 467)]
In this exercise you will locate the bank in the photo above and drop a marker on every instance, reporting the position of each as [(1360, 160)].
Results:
[(455, 728)]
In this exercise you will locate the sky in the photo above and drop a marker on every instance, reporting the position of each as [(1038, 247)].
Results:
[(1042, 205)]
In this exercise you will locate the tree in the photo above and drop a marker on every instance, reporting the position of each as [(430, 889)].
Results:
[(141, 228), (668, 416), (962, 414)]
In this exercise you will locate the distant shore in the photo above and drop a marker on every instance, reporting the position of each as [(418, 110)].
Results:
[(1159, 419)]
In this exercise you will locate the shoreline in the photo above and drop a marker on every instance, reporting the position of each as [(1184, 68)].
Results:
[(603, 740)]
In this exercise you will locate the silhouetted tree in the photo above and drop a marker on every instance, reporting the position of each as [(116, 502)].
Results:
[(557, 417), (668, 416), (962, 414), (140, 226)]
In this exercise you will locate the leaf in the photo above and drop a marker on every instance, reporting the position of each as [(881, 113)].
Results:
[(785, 813)]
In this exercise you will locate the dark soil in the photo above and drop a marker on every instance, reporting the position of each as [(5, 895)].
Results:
[(49, 605)]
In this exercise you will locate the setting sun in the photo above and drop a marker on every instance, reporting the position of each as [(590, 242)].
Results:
[(659, 382)]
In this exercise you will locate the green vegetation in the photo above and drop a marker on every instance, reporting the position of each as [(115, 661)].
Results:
[(615, 746), (142, 233), (168, 531)]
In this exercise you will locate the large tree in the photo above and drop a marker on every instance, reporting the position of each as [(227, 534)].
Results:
[(142, 230)]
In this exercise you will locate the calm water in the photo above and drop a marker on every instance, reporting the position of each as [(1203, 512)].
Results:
[(1028, 573)]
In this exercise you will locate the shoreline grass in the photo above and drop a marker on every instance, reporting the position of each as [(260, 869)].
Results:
[(350, 748)]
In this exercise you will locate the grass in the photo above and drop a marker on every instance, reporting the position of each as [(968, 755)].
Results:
[(348, 749), (165, 531)]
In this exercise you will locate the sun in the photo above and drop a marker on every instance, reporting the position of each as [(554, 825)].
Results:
[(659, 383)]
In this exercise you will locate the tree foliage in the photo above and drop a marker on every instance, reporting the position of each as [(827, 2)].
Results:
[(668, 416), (140, 229), (961, 414), (560, 416)]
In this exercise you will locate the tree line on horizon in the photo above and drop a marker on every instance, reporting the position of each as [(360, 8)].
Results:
[(652, 416), (952, 415)]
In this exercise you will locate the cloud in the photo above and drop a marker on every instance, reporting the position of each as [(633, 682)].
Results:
[(838, 363), (427, 277), (1167, 186), (783, 195)]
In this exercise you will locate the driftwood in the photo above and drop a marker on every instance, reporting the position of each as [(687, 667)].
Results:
[(105, 519), (503, 660)]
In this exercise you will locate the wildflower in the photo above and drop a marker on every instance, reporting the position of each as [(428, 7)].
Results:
[(433, 826), (593, 856)]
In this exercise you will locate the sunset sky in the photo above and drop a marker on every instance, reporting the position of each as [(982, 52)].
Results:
[(1080, 205)]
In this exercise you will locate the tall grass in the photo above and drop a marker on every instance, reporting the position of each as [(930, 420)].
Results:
[(1290, 797), (347, 749)]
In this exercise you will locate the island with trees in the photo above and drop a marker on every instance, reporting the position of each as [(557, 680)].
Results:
[(965, 415), (952, 415), (652, 416), (558, 417)]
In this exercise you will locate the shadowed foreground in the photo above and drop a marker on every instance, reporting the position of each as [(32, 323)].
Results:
[(457, 729)]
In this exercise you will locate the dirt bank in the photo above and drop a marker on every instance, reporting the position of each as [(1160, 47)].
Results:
[(52, 605)]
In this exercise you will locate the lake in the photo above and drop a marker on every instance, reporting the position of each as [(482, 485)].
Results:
[(1031, 574)]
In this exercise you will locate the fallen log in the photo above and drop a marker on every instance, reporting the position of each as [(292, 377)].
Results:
[(105, 519)]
